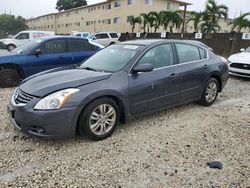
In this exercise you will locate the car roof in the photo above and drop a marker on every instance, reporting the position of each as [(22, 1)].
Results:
[(60, 37), (148, 42)]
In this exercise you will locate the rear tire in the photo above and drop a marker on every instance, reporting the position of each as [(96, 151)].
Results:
[(99, 119), (9, 77), (210, 92), (11, 47)]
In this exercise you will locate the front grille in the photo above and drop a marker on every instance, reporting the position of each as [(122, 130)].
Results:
[(22, 97), (240, 66)]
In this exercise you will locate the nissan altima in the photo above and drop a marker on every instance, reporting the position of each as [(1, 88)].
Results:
[(115, 84)]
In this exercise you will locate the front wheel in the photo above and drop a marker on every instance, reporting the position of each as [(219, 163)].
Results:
[(210, 92), (11, 47), (9, 77), (99, 120)]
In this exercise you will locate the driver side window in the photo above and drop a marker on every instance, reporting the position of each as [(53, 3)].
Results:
[(22, 36), (160, 56)]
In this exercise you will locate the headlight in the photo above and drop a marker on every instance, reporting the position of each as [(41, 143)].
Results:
[(55, 100)]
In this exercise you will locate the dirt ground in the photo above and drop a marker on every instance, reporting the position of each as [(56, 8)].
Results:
[(166, 149)]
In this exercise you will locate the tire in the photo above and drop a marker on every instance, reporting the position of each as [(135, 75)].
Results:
[(9, 77), (111, 43), (92, 114), (11, 47), (210, 92)]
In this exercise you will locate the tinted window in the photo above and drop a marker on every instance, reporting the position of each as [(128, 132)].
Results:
[(203, 54), (76, 45), (187, 53), (78, 35), (113, 35), (101, 36), (159, 56), (54, 46), (23, 36)]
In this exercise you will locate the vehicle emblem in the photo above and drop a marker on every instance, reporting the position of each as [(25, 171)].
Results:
[(245, 66)]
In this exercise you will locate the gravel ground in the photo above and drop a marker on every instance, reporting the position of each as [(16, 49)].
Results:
[(166, 149)]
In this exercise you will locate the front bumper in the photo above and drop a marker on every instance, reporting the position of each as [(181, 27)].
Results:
[(239, 72), (51, 124)]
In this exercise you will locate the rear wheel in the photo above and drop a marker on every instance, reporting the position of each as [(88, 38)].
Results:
[(11, 47), (210, 92), (99, 120), (9, 77)]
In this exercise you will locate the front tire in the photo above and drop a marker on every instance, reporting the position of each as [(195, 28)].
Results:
[(11, 47), (9, 77), (210, 92), (99, 120)]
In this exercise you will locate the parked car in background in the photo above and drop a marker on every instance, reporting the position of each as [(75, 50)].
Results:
[(23, 37), (239, 64), (106, 38), (118, 82), (42, 54), (85, 35)]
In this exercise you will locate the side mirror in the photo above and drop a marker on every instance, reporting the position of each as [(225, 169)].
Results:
[(242, 49), (38, 52), (146, 67)]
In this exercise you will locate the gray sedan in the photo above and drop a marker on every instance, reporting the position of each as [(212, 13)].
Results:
[(121, 81)]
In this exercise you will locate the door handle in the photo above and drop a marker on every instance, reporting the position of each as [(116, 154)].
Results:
[(205, 66), (173, 76)]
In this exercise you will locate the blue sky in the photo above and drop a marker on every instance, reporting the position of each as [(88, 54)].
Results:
[(33, 8)]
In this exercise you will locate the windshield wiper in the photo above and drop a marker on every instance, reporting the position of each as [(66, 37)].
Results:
[(89, 68)]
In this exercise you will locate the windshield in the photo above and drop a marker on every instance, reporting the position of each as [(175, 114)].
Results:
[(27, 47), (111, 59), (248, 49)]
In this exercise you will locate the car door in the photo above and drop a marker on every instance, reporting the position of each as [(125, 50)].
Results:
[(22, 38), (53, 54), (193, 70), (80, 50), (102, 38), (158, 88)]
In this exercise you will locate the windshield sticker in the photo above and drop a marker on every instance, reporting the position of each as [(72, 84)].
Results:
[(131, 47)]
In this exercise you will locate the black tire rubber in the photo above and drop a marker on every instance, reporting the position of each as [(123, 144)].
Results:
[(83, 123), (9, 77), (9, 47), (203, 100), (111, 43)]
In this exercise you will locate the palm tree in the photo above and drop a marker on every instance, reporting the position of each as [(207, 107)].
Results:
[(175, 20), (207, 27), (196, 18), (154, 20), (171, 19), (241, 22), (145, 21), (133, 21), (212, 15), (165, 19)]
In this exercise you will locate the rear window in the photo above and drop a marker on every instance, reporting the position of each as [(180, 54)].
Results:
[(76, 45), (187, 53), (113, 35), (203, 54)]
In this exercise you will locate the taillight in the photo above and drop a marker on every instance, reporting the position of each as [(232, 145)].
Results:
[(224, 60)]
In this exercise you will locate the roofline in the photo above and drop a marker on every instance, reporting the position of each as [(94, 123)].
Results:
[(182, 3)]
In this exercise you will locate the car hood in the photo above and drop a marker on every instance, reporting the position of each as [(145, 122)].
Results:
[(243, 57), (49, 82)]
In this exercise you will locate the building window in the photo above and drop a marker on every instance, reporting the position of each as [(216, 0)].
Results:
[(149, 2), (117, 3), (117, 20), (108, 6), (131, 2), (169, 5)]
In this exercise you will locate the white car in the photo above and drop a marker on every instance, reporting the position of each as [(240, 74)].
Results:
[(106, 38), (239, 64), (23, 37)]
